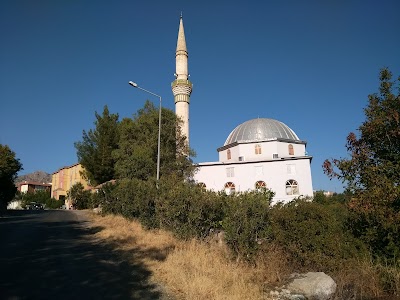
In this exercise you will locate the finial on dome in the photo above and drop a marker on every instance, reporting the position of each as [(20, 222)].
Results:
[(181, 15)]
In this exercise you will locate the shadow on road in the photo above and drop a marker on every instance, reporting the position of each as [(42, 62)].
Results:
[(52, 255)]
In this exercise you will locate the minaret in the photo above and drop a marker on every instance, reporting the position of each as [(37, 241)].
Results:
[(181, 86)]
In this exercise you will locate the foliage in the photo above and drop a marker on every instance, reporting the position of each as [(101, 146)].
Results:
[(9, 167), (136, 199), (94, 151), (314, 234), (136, 156), (321, 198), (41, 196), (246, 220), (105, 198), (80, 197), (372, 172), (374, 166), (103, 194), (187, 210), (380, 230)]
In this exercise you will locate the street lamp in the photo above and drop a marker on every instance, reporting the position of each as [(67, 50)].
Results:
[(134, 84)]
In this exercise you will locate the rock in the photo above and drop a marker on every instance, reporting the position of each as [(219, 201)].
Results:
[(313, 285), (97, 210)]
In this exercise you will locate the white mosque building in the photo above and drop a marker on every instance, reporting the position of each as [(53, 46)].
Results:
[(258, 153)]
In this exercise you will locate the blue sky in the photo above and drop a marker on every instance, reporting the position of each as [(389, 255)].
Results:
[(309, 64)]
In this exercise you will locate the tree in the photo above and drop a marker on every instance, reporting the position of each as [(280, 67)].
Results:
[(136, 155), (374, 163), (94, 151), (9, 167), (372, 173), (79, 196)]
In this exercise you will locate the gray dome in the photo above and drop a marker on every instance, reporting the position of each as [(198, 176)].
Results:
[(261, 130)]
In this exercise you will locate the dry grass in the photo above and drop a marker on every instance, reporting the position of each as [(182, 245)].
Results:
[(203, 271), (200, 270), (190, 270)]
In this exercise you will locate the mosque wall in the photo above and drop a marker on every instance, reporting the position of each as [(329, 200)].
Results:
[(244, 176), (262, 150)]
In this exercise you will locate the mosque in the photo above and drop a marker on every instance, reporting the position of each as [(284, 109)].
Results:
[(259, 153)]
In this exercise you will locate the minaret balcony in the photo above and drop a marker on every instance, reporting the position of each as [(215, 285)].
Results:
[(177, 82)]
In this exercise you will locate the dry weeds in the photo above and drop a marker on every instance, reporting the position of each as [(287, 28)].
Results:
[(203, 270), (190, 270)]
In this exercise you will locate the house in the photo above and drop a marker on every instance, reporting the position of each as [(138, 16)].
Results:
[(32, 187), (64, 178)]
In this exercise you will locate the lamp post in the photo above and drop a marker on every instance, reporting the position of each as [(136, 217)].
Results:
[(159, 126)]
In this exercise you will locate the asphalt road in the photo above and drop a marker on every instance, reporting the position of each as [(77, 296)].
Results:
[(52, 255)]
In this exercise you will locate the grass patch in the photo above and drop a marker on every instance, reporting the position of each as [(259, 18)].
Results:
[(190, 270), (208, 270)]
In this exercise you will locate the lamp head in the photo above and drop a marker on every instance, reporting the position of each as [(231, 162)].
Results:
[(134, 84)]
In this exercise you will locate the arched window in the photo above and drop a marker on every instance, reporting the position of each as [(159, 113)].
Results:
[(291, 150), (228, 154), (201, 185), (257, 149), (292, 188), (229, 187), (261, 185)]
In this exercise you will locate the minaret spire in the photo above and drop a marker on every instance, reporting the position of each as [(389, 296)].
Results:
[(181, 86)]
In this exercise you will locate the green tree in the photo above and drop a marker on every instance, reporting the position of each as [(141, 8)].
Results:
[(94, 151), (80, 197), (9, 167), (374, 163), (136, 155), (372, 173)]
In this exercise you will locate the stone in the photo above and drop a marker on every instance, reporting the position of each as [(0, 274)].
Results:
[(313, 285)]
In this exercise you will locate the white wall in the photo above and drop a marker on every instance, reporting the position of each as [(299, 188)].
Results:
[(24, 188), (267, 151), (274, 174)]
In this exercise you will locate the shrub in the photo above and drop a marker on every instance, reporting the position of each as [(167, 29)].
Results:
[(106, 198), (246, 221), (144, 200), (53, 203), (314, 234), (79, 196), (42, 197), (380, 230), (124, 203), (187, 210)]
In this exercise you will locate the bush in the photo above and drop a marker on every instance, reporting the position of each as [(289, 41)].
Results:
[(246, 221), (52, 203), (131, 198), (144, 200), (314, 234), (42, 197), (380, 230), (188, 210), (105, 198)]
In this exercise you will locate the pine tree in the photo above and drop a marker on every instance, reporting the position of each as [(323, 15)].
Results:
[(94, 151), (136, 156)]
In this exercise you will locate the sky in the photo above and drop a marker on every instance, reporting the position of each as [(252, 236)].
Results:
[(309, 64)]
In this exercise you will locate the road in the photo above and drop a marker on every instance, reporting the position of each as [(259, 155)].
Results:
[(51, 254)]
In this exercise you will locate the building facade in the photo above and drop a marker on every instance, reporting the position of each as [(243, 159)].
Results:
[(260, 153), (64, 178), (32, 187)]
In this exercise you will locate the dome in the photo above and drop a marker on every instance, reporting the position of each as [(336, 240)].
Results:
[(261, 129)]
